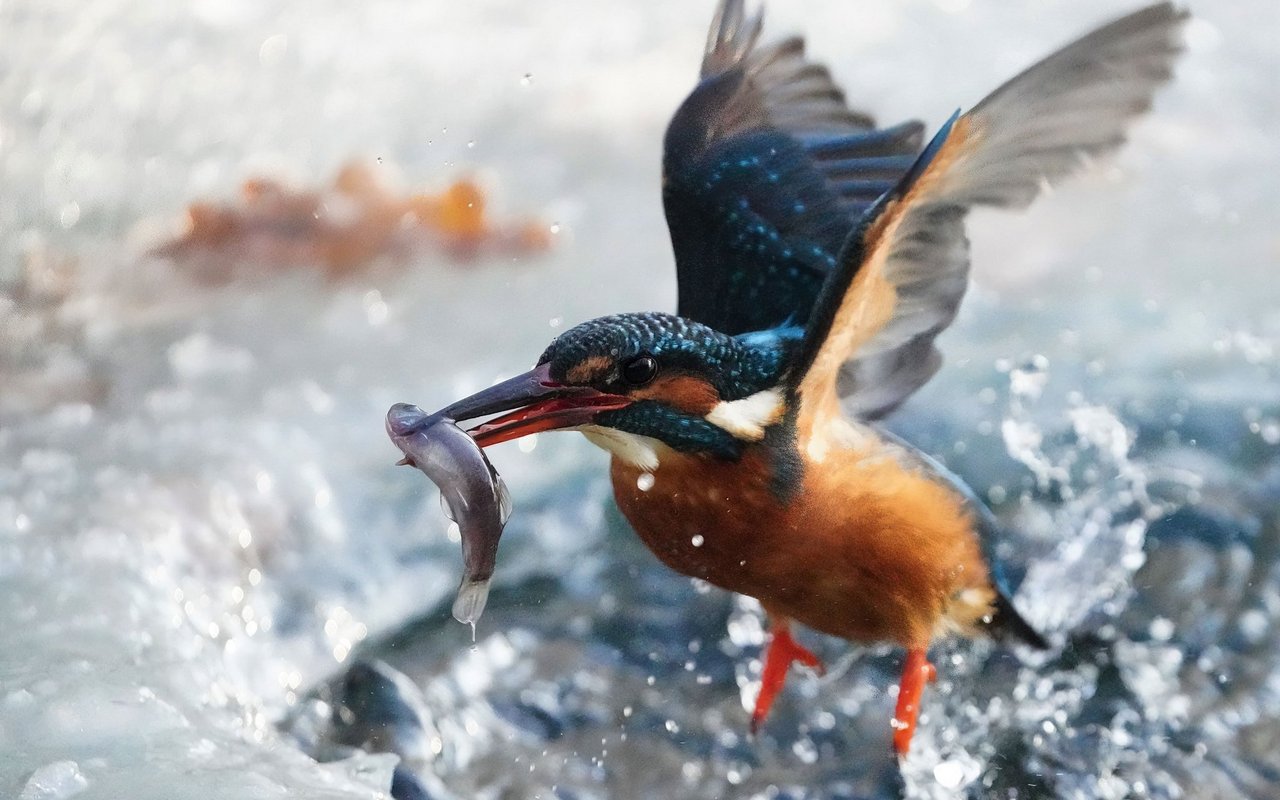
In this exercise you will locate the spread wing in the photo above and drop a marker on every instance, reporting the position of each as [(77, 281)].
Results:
[(765, 173), (903, 273)]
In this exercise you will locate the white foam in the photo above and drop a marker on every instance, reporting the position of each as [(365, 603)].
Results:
[(55, 781)]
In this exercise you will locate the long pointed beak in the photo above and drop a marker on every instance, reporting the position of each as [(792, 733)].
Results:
[(539, 403)]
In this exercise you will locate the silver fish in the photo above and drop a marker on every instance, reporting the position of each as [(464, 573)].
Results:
[(472, 492)]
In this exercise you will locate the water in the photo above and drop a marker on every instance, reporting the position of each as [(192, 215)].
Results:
[(200, 520)]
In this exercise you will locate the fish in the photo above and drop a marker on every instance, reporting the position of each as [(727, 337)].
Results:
[(472, 494)]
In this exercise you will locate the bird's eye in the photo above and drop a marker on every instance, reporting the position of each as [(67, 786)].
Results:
[(640, 370)]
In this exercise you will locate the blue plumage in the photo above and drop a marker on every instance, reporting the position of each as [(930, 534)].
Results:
[(765, 172), (736, 366), (687, 433)]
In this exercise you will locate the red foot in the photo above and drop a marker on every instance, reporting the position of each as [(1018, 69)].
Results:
[(915, 672), (782, 650)]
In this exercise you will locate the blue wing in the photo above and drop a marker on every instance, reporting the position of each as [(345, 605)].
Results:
[(765, 173)]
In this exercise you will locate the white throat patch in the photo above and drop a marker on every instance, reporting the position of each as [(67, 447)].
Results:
[(641, 452), (747, 418)]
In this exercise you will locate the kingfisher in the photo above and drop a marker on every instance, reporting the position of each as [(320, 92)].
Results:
[(818, 257)]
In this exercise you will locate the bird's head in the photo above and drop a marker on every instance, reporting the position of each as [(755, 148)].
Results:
[(638, 383)]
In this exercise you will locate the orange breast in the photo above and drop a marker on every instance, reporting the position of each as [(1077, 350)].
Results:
[(865, 550)]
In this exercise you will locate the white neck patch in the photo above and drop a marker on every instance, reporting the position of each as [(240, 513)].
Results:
[(641, 452), (747, 418)]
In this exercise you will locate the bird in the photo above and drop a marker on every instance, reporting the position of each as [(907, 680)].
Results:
[(818, 257)]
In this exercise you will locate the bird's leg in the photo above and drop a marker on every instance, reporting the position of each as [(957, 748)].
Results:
[(782, 650), (915, 672)]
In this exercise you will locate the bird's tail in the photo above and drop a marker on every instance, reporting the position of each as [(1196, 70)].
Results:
[(1008, 623)]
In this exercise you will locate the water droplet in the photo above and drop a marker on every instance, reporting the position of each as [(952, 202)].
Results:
[(555, 227), (375, 307), (1270, 431), (697, 540), (949, 774), (69, 215), (273, 50), (526, 79), (1253, 624), (1202, 35), (645, 482), (1161, 629), (1029, 380), (471, 144), (805, 750)]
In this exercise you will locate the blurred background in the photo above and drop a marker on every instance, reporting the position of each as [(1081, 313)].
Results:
[(232, 233)]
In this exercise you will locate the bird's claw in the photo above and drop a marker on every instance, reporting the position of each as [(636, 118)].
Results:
[(782, 651), (915, 673)]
